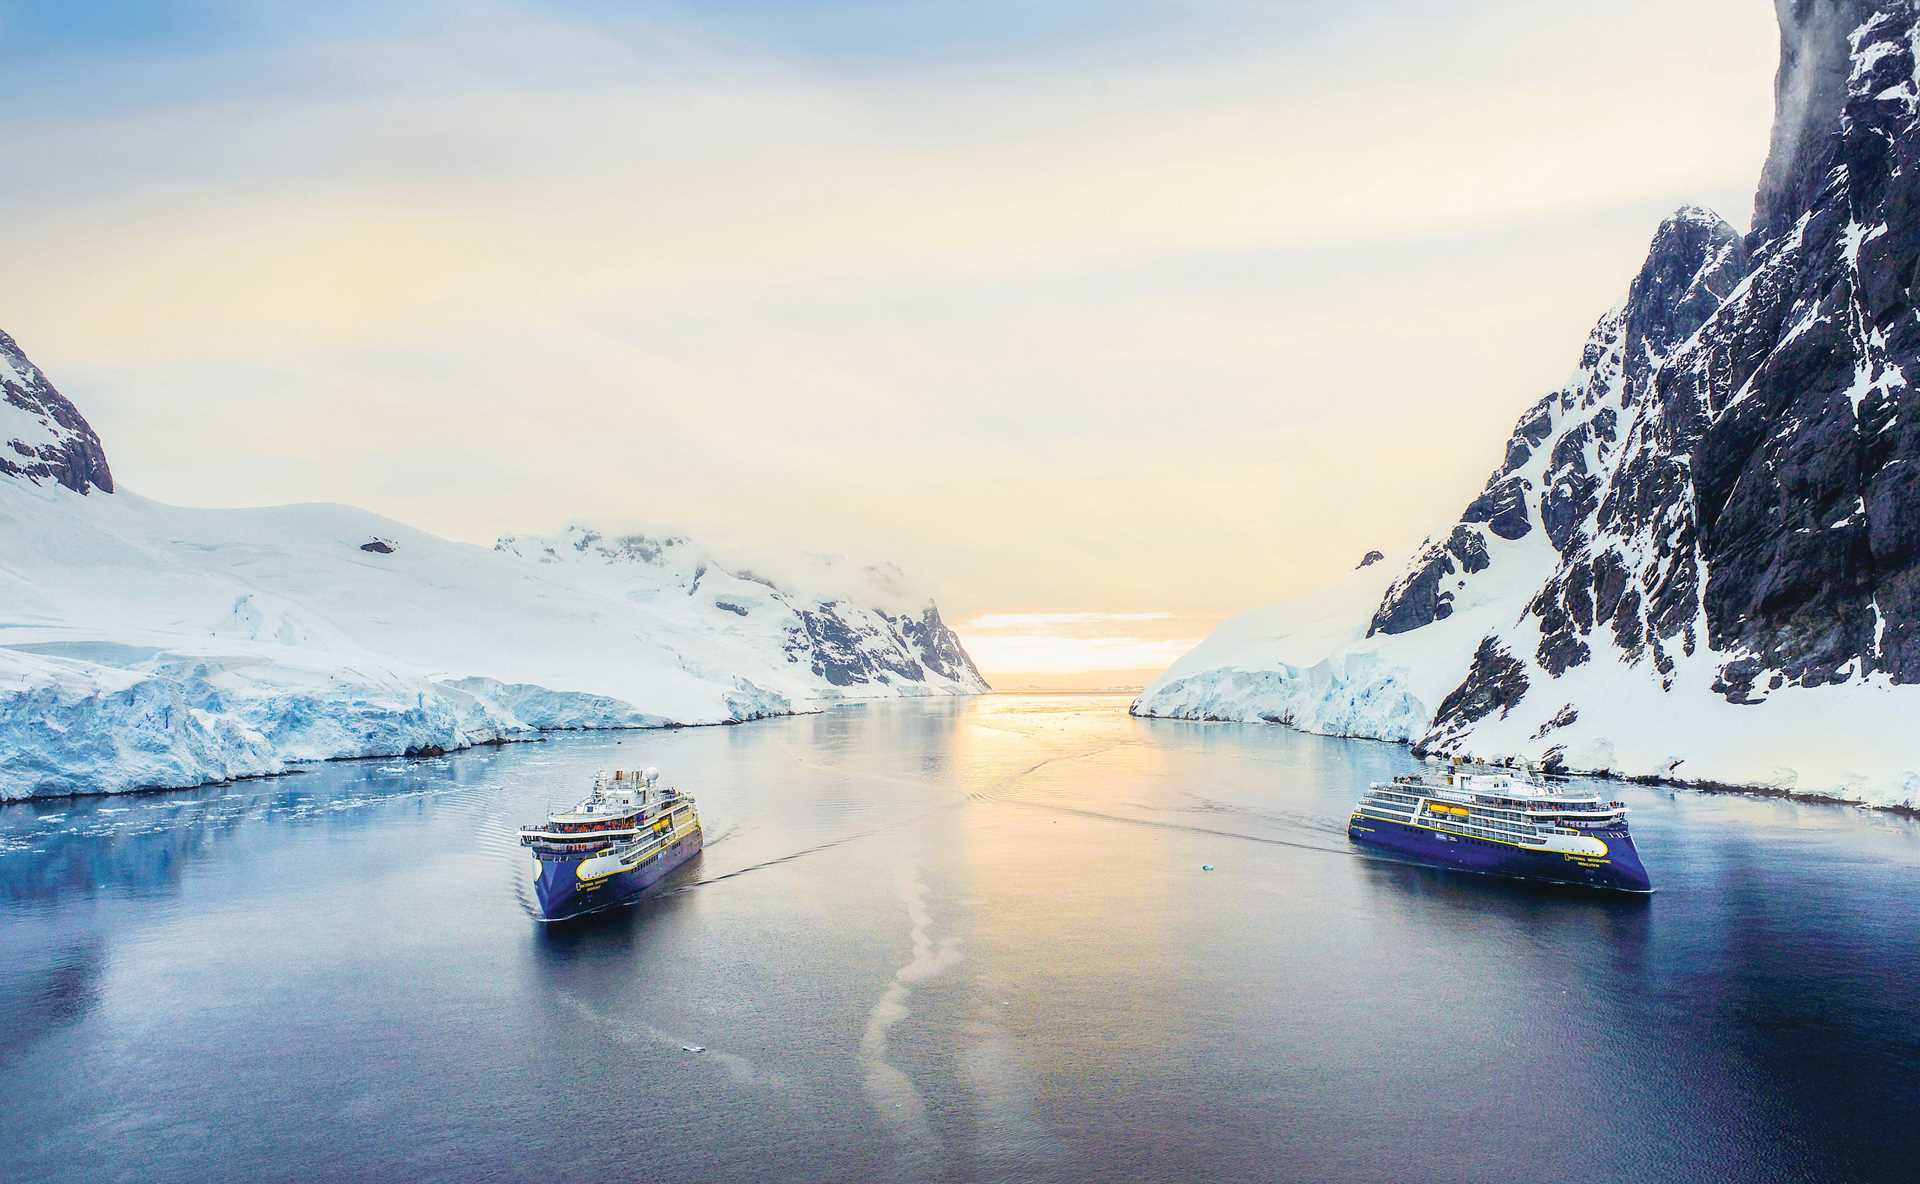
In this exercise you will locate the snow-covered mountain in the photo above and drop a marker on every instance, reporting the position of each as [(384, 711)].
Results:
[(143, 644), (1699, 559)]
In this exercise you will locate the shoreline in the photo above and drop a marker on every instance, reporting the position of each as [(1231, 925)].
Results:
[(1705, 785), (542, 735), (537, 736)]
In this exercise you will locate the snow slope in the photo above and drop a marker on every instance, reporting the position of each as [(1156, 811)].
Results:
[(143, 644), (1308, 664)]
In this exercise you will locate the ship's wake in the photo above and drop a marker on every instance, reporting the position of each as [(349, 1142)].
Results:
[(639, 1033)]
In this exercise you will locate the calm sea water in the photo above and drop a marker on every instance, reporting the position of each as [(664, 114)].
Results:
[(966, 940)]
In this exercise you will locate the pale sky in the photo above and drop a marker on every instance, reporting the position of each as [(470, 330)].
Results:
[(1143, 312)]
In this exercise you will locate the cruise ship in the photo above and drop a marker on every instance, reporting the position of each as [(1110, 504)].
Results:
[(1502, 824), (613, 846)]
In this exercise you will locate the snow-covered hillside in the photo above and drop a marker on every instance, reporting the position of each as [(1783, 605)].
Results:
[(1700, 559), (150, 645)]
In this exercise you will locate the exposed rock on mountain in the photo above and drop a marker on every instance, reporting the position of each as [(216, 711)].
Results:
[(1776, 456), (1701, 557), (43, 437), (851, 626)]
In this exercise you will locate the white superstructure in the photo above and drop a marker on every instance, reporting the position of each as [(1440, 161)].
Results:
[(1498, 807)]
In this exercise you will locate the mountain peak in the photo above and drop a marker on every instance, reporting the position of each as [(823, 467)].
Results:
[(42, 434), (1694, 215)]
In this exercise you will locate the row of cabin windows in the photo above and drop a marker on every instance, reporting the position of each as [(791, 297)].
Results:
[(575, 828), (1498, 821)]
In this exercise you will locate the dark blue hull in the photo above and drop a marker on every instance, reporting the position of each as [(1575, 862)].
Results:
[(563, 893), (1619, 870)]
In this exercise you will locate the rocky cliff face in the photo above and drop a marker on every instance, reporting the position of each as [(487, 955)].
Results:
[(1539, 505), (1700, 557), (43, 437), (1764, 512)]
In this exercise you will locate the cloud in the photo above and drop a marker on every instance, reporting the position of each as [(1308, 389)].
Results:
[(519, 163)]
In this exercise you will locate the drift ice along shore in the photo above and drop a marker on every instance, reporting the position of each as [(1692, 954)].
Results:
[(148, 645), (1699, 560)]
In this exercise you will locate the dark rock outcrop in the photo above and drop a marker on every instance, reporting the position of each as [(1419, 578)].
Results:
[(1808, 429), (938, 646), (380, 546), (834, 635), (1496, 682), (844, 651), (1556, 463), (1369, 559), (1600, 477), (43, 437), (838, 650), (1423, 596)]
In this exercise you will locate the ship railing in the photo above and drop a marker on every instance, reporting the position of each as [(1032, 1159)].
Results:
[(1482, 830), (658, 840), (638, 827), (639, 815), (550, 833)]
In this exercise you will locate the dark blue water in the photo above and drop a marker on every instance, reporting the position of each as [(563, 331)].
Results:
[(963, 940)]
